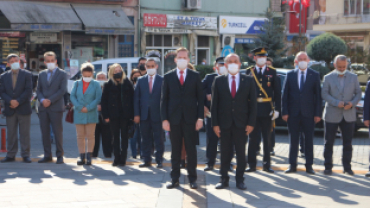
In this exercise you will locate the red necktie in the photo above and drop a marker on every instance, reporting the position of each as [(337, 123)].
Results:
[(181, 77), (150, 84), (233, 87)]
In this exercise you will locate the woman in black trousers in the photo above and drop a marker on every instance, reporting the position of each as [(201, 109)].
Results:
[(118, 110)]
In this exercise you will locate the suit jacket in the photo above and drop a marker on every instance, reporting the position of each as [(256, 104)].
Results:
[(332, 94), (367, 102), (90, 99), (308, 102), (207, 87), (271, 84), (242, 109), (22, 92), (145, 101), (110, 100), (185, 101), (54, 91)]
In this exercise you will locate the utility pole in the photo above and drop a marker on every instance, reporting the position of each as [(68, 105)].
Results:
[(300, 25)]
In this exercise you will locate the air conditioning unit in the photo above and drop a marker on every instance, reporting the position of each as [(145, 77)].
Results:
[(193, 4), (176, 40)]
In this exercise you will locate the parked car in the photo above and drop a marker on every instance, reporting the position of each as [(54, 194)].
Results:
[(128, 64), (282, 73), (361, 71)]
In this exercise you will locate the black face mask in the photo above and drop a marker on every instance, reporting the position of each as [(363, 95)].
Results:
[(142, 68), (134, 79), (118, 75)]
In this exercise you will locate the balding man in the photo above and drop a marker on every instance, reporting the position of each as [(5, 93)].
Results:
[(341, 92), (301, 108), (233, 110)]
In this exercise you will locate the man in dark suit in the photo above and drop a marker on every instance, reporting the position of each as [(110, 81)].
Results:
[(212, 139), (367, 113), (16, 91), (301, 108), (234, 110), (182, 111), (268, 92), (50, 92), (147, 100)]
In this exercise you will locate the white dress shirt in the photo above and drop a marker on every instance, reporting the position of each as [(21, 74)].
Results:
[(237, 79), (299, 76), (152, 79), (184, 74), (263, 69)]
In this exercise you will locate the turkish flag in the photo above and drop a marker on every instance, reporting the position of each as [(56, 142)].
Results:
[(294, 18)]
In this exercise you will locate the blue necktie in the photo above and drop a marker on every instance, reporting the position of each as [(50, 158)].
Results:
[(302, 82)]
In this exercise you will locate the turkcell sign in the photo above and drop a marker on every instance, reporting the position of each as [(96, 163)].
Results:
[(240, 25)]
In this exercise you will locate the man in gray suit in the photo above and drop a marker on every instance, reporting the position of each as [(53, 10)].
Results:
[(16, 91), (341, 91), (50, 92)]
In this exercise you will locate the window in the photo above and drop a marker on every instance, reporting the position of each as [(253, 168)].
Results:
[(356, 7), (203, 41), (158, 40), (366, 7)]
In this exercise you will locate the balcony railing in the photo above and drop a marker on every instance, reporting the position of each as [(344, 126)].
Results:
[(340, 18)]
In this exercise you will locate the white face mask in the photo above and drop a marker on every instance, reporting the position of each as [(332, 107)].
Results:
[(87, 79), (182, 63), (222, 70), (102, 83), (233, 68), (302, 65), (261, 61), (341, 73), (15, 66), (51, 66), (151, 72)]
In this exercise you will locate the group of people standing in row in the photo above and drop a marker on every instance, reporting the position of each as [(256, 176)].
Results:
[(236, 105)]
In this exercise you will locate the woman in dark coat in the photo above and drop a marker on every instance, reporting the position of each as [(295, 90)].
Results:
[(118, 110)]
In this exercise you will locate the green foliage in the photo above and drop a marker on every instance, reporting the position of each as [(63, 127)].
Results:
[(325, 47), (363, 88), (204, 69), (321, 69)]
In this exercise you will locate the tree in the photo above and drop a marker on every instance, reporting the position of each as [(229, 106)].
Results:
[(272, 36), (325, 47)]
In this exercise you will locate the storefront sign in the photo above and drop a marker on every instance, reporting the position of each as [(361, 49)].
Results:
[(110, 32), (48, 27), (13, 34), (244, 40), (191, 22), (73, 67), (240, 25), (155, 20), (166, 30), (43, 37)]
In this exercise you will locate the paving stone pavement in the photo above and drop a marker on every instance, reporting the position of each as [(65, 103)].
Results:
[(101, 185)]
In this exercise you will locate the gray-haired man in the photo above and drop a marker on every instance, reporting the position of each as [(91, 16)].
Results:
[(341, 91)]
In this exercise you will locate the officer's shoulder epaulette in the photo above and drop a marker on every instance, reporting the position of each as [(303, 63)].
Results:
[(250, 67), (270, 67)]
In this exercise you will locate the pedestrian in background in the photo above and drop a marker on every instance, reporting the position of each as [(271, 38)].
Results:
[(135, 141), (51, 87), (102, 129), (141, 66), (16, 92), (118, 110), (85, 97), (341, 92), (367, 114)]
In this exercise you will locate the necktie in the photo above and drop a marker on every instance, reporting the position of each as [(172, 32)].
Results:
[(302, 82), (50, 76), (150, 84), (15, 75), (233, 87), (181, 77)]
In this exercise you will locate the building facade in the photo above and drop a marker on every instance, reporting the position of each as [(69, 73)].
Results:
[(208, 28), (76, 30)]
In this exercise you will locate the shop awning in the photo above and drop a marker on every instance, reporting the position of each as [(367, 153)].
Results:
[(38, 16), (108, 20)]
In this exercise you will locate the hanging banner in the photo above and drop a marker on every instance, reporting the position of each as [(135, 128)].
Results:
[(240, 25), (294, 18), (191, 22)]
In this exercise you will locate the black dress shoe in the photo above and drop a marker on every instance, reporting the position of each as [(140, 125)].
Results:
[(268, 169), (310, 171), (208, 167), (46, 160), (222, 185), (328, 172), (60, 160), (8, 159), (250, 169), (231, 168), (193, 185), (145, 164), (159, 165), (291, 170), (241, 186), (115, 163), (173, 184), (272, 153), (367, 174), (27, 160), (122, 164), (349, 172)]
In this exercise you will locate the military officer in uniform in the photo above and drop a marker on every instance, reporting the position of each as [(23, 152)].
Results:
[(268, 89)]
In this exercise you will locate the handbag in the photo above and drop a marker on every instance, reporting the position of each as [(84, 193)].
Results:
[(70, 114)]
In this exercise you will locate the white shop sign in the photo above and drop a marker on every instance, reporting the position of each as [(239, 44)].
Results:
[(43, 37)]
